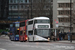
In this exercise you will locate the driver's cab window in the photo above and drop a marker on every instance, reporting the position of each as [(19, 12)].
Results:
[(30, 33)]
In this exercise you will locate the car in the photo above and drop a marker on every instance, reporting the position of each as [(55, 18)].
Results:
[(4, 33)]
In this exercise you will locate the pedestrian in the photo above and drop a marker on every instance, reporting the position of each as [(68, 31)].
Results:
[(53, 36), (68, 33), (59, 36), (63, 35)]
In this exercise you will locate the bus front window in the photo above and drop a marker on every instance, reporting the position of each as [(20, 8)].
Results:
[(44, 32), (17, 25)]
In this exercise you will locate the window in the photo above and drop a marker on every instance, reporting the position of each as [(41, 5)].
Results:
[(10, 7), (63, 12), (30, 22), (14, 7), (22, 24), (14, 1), (17, 32), (11, 25), (63, 5), (25, 1), (67, 5), (60, 5), (67, 12), (42, 32), (60, 12), (30, 32), (22, 6), (42, 21), (21, 32), (29, 0), (64, 19), (11, 1), (21, 1), (17, 25)]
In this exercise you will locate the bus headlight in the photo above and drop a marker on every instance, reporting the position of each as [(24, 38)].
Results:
[(48, 39), (16, 38), (26, 38)]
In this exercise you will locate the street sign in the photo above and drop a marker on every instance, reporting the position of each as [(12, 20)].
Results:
[(57, 25)]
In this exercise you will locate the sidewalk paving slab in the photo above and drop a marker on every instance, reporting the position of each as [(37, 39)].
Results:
[(66, 41)]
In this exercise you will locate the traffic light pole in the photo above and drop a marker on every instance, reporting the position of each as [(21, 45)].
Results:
[(31, 8), (70, 21)]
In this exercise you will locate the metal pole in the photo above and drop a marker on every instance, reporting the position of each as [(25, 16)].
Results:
[(28, 12), (70, 21), (18, 8), (11, 12), (55, 34), (31, 8)]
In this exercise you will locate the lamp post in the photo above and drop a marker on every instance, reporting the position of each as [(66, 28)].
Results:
[(70, 21), (18, 8), (28, 12), (31, 8), (11, 13)]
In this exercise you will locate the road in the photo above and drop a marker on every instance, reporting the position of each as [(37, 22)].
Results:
[(6, 44)]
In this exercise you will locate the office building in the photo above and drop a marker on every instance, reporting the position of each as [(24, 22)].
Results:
[(61, 14)]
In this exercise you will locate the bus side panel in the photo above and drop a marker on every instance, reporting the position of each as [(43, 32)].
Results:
[(16, 35), (12, 36)]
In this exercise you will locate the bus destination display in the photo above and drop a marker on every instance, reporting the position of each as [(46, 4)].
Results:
[(43, 26)]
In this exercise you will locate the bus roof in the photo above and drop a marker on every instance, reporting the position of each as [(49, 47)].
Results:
[(38, 18), (41, 18)]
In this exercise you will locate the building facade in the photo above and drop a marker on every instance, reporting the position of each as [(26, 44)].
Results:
[(18, 9), (4, 10), (27, 9), (74, 15), (4, 4), (61, 14)]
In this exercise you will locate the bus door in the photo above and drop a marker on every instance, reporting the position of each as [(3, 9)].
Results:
[(12, 33), (17, 34), (22, 36), (25, 36)]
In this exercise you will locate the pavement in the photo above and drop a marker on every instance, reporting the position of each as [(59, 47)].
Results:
[(4, 36), (66, 41)]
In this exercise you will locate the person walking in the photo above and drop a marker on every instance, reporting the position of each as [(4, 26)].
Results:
[(68, 33), (59, 36)]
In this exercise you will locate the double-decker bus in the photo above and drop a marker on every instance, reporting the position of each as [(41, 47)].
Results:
[(38, 29), (14, 31), (22, 31)]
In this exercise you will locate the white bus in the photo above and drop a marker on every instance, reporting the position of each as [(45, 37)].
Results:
[(38, 29)]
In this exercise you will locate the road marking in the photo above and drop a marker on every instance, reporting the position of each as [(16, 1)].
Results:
[(2, 49)]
